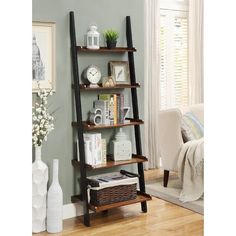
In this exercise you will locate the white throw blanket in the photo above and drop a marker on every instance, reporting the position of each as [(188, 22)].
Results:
[(191, 170)]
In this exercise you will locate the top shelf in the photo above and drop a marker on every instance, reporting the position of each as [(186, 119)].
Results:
[(105, 49)]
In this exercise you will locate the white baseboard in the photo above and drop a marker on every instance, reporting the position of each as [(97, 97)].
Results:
[(72, 210)]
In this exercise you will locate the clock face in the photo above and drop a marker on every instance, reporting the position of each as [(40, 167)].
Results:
[(93, 74)]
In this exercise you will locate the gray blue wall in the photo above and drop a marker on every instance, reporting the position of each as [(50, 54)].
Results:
[(106, 14)]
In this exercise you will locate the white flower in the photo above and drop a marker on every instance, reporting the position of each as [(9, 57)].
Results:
[(41, 118), (38, 110)]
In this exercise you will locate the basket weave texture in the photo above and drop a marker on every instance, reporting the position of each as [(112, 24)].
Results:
[(114, 194)]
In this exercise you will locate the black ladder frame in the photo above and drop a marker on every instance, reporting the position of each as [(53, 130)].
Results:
[(83, 182)]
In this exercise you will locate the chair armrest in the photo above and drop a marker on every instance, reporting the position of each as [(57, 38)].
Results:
[(170, 138)]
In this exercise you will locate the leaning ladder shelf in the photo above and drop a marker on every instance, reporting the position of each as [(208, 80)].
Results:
[(82, 126)]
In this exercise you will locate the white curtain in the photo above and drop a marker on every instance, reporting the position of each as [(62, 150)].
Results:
[(151, 81), (196, 85)]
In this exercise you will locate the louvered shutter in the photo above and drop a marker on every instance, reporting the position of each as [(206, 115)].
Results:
[(173, 59), (163, 71)]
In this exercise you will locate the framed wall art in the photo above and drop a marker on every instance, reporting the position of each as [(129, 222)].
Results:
[(43, 56), (120, 71)]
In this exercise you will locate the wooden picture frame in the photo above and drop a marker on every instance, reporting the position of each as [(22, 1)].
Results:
[(120, 71), (43, 56)]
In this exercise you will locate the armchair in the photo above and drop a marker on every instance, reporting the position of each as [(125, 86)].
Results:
[(170, 137)]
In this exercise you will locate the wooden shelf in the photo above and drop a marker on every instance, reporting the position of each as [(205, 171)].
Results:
[(110, 163), (120, 86), (88, 126), (141, 197), (105, 49)]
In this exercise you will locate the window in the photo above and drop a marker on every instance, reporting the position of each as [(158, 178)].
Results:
[(174, 58)]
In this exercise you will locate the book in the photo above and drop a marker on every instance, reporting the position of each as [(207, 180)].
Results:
[(88, 152), (104, 151), (98, 149), (120, 105), (93, 148), (121, 108), (110, 99), (115, 108), (118, 108), (104, 106), (111, 109)]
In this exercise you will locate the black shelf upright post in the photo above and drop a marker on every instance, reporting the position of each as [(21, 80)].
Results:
[(135, 108), (83, 182)]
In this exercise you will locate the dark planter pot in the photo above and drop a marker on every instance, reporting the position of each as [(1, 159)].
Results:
[(111, 44)]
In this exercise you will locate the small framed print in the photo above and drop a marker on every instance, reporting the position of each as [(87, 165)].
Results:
[(120, 71), (43, 56)]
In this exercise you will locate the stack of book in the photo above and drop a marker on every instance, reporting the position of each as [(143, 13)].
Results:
[(95, 149), (112, 106)]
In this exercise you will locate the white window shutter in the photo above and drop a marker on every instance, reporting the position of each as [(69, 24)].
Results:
[(174, 59)]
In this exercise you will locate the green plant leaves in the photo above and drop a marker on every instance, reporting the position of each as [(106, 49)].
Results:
[(111, 35)]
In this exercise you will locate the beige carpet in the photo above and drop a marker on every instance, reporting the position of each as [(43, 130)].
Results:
[(171, 194)]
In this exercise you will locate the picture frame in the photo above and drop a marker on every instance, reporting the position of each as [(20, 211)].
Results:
[(120, 71), (43, 56)]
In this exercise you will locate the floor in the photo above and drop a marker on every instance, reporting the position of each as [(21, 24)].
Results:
[(163, 218), (153, 174)]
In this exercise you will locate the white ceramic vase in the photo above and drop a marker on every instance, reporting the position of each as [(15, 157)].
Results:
[(55, 203), (39, 192)]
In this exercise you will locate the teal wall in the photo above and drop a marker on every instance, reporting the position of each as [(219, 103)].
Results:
[(106, 14)]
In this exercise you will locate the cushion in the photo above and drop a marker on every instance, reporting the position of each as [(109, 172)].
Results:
[(191, 127)]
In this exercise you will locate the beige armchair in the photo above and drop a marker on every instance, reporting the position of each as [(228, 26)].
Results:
[(170, 138)]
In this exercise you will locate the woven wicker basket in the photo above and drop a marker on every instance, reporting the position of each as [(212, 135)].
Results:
[(114, 194)]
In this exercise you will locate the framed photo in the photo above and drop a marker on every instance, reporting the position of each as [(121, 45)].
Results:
[(43, 56), (120, 71)]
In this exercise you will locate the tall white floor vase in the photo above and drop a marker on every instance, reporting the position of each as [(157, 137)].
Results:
[(55, 203), (39, 192)]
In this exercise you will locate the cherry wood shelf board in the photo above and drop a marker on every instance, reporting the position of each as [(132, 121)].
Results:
[(88, 126), (105, 49), (120, 86), (110, 163), (141, 197)]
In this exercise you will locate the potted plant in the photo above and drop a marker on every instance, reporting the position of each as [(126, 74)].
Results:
[(111, 37)]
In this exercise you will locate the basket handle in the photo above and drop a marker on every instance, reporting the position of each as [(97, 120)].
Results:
[(129, 174)]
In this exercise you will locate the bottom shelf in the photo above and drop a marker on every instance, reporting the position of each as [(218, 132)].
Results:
[(141, 197)]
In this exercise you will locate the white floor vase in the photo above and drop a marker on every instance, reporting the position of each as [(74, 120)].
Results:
[(55, 203), (39, 192)]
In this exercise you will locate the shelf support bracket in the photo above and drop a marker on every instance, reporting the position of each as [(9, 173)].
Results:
[(135, 108), (83, 185)]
